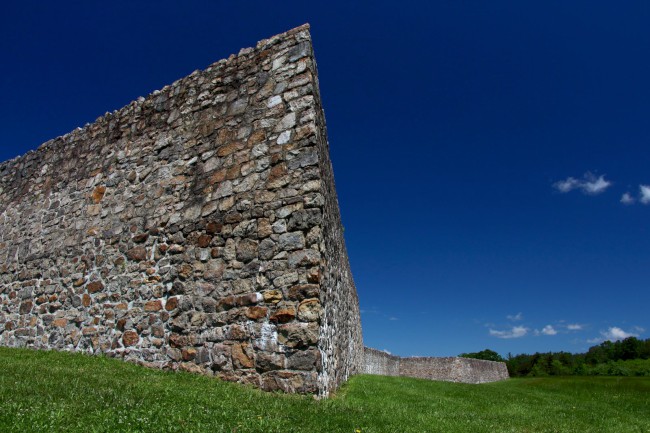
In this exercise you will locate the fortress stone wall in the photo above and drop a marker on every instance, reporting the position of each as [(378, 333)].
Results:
[(194, 229), (449, 369), (197, 229)]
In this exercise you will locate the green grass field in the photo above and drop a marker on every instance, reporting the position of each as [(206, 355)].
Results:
[(61, 392)]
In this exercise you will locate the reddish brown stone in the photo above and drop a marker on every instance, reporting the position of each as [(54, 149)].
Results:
[(188, 354), (98, 194), (256, 137), (60, 323), (185, 271), (176, 249), (137, 254), (78, 283), (177, 340), (229, 148), (227, 303), (283, 315), (94, 287), (9, 326), (130, 338), (152, 306), (233, 172), (236, 332), (204, 241), (303, 291), (142, 237), (120, 324), (89, 330), (171, 304), (86, 299), (233, 217), (213, 227), (240, 357), (277, 171), (218, 176), (256, 313), (25, 307)]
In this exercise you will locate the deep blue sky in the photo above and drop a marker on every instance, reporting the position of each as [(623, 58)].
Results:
[(481, 149)]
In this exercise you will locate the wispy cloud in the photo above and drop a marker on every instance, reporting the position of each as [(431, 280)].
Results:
[(574, 327), (627, 199), (515, 318), (515, 332), (614, 333), (393, 318), (589, 184), (644, 193), (548, 330)]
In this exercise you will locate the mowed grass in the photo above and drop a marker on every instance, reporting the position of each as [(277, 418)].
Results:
[(63, 392)]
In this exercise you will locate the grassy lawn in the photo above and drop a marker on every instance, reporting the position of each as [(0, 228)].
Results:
[(51, 391)]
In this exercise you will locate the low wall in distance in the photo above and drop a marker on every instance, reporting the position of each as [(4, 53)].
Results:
[(449, 369), (379, 362)]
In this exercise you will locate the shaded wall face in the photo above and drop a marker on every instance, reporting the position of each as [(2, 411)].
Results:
[(183, 231)]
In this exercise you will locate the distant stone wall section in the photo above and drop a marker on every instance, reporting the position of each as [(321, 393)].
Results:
[(380, 362), (451, 369), (194, 229)]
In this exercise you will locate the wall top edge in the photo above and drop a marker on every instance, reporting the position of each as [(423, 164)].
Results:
[(423, 358), (300, 33)]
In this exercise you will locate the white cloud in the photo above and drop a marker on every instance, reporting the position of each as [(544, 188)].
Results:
[(515, 318), (567, 185), (589, 184), (549, 330), (627, 198), (595, 185), (614, 333), (515, 332), (644, 192), (574, 327)]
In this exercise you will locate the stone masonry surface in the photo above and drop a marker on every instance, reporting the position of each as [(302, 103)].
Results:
[(451, 369), (195, 229)]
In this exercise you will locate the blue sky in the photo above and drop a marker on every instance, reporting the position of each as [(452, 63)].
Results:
[(482, 150)]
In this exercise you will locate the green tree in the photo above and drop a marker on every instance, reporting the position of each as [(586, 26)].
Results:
[(487, 354)]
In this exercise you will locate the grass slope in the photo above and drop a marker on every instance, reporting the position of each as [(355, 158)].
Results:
[(51, 391)]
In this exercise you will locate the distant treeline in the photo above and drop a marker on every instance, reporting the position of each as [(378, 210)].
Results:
[(629, 357)]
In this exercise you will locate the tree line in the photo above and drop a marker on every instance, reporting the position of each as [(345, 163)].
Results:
[(628, 357)]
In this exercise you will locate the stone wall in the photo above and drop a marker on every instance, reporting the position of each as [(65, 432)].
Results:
[(195, 229), (379, 362), (449, 369)]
